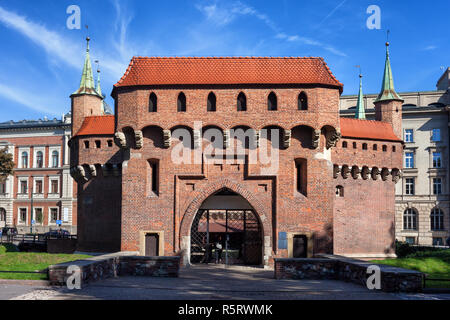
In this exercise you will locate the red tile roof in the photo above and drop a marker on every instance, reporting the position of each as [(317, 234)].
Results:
[(239, 70), (367, 129), (97, 125)]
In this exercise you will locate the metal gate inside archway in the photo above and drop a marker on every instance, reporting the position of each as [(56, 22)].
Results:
[(226, 236)]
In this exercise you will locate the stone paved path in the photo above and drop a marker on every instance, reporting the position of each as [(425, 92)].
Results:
[(216, 283)]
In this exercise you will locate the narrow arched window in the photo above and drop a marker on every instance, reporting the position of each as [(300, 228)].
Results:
[(302, 101), (153, 103), (241, 102), (39, 159), (437, 219), (375, 147), (339, 191), (364, 146), (211, 105), (410, 219), (272, 102), (55, 159), (344, 144), (181, 103), (24, 159)]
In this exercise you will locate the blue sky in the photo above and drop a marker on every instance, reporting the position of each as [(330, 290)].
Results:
[(42, 59)]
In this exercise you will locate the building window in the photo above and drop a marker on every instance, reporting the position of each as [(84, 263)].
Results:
[(98, 144), (340, 191), (38, 216), (409, 135), (211, 102), (39, 159), (409, 186), (437, 161), (375, 147), (86, 144), (410, 240), (2, 215), (436, 136), (437, 186), (241, 102), (24, 187), (301, 176), (153, 103), (409, 160), (181, 102), (438, 242), (302, 101), (2, 187), (24, 159), (344, 144), (272, 103), (54, 215), (354, 145), (55, 159), (54, 186), (437, 219), (23, 215), (410, 219), (153, 177), (394, 149), (364, 146), (39, 188), (110, 143), (384, 148)]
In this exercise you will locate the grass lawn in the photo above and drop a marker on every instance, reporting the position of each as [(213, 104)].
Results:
[(435, 265), (31, 261)]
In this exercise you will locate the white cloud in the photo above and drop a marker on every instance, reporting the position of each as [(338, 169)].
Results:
[(50, 41), (25, 98), (429, 48), (63, 49), (223, 14)]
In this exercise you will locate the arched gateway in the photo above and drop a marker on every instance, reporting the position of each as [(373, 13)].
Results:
[(226, 227)]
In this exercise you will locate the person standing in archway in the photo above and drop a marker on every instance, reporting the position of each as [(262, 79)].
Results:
[(219, 249)]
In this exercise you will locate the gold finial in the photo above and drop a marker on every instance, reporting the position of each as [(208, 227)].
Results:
[(387, 37)]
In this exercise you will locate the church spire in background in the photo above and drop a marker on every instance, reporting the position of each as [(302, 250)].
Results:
[(360, 108)]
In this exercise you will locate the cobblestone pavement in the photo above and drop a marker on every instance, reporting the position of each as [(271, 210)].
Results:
[(217, 283)]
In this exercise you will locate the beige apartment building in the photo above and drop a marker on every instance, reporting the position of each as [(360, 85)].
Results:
[(423, 197)]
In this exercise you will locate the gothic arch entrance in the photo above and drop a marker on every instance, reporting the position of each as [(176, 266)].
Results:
[(227, 230)]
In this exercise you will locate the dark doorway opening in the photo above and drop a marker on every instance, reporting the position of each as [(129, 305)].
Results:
[(232, 237), (300, 246), (151, 245)]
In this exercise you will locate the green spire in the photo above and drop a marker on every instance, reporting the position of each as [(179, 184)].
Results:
[(360, 109), (99, 88), (87, 85), (387, 88)]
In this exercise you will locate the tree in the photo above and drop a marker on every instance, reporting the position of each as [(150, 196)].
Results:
[(6, 164)]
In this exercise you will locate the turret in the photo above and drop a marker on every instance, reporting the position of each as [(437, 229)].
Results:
[(86, 101), (388, 105)]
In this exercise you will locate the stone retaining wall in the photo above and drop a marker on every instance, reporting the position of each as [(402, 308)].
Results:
[(340, 268), (114, 265)]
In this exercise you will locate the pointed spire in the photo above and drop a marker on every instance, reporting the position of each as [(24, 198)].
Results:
[(387, 87), (360, 109), (99, 87), (87, 85)]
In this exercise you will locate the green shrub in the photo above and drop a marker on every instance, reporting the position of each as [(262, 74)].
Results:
[(403, 250), (7, 247)]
